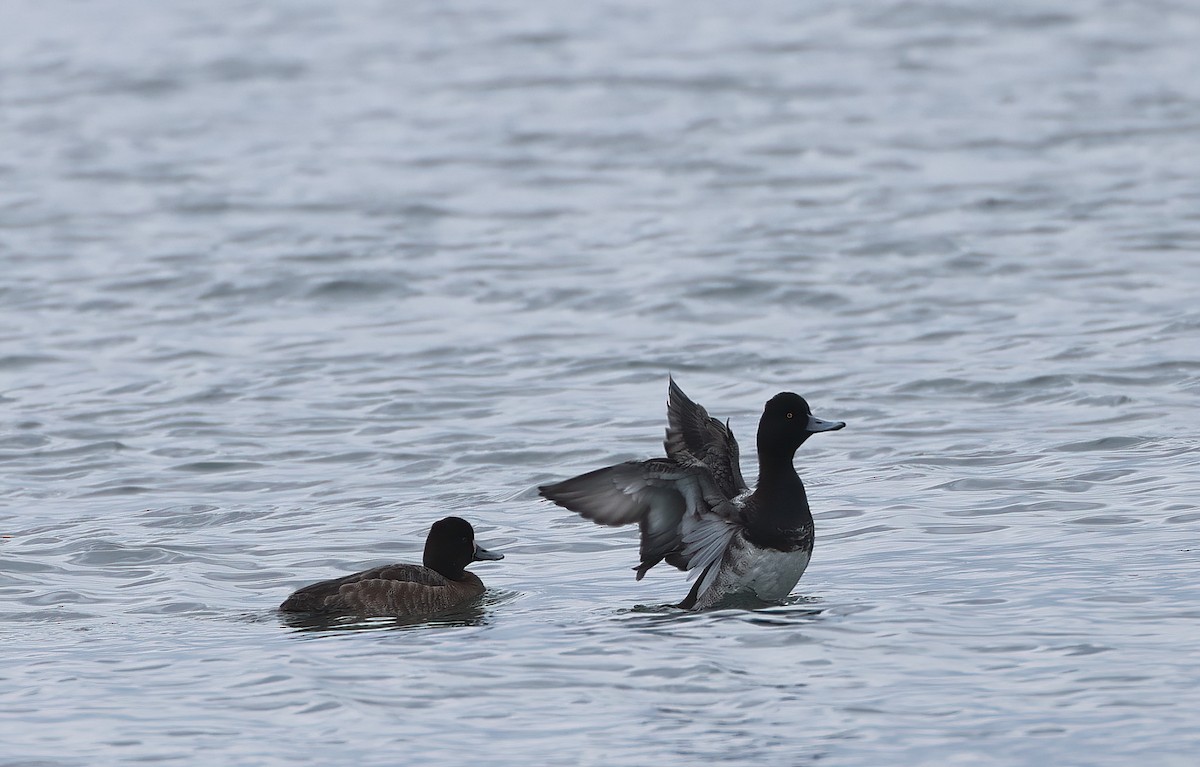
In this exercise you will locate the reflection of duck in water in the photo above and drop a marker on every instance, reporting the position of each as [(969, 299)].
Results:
[(695, 510), (440, 584)]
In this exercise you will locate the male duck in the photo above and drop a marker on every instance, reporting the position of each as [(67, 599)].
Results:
[(695, 510), (405, 590)]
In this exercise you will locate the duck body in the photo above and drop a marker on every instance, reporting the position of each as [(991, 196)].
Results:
[(746, 570), (399, 590), (442, 583), (696, 512)]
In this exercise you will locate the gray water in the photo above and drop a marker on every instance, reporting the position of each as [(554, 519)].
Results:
[(283, 284)]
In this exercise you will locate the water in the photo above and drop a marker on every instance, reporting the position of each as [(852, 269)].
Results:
[(283, 285)]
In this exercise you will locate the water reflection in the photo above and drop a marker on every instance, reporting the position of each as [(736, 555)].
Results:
[(794, 609), (477, 613), (473, 615)]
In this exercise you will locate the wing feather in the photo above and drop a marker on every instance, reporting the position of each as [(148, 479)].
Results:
[(681, 512), (705, 538), (383, 596), (693, 437)]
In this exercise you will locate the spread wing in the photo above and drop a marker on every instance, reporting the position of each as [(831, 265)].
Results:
[(684, 516), (695, 438)]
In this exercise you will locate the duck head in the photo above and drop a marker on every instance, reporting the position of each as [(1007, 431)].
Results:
[(787, 421), (451, 546)]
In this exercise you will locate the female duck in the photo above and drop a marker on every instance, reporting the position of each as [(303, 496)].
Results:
[(695, 510), (405, 590)]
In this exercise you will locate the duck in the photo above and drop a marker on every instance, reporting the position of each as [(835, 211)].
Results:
[(696, 512), (441, 583)]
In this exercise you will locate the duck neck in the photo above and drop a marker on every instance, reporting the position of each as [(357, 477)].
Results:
[(776, 472), (443, 566), (781, 507)]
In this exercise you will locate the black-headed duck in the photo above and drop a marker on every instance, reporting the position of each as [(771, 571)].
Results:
[(695, 510)]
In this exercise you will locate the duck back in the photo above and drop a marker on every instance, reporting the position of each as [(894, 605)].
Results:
[(392, 590)]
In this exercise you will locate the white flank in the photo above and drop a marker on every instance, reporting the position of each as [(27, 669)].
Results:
[(767, 574)]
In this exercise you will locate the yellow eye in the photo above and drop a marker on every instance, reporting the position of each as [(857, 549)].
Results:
[(789, 415)]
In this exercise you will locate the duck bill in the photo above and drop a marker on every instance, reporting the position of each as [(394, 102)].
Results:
[(482, 554), (816, 424)]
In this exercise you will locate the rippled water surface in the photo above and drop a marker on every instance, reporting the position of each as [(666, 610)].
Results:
[(283, 284)]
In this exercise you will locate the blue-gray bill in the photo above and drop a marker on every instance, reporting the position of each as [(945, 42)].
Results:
[(816, 424), (482, 554)]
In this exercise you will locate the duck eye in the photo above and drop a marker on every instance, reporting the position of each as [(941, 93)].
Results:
[(789, 415)]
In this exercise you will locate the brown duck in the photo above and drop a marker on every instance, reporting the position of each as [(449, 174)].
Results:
[(402, 590)]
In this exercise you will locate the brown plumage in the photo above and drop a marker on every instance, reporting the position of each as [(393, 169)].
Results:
[(399, 590)]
